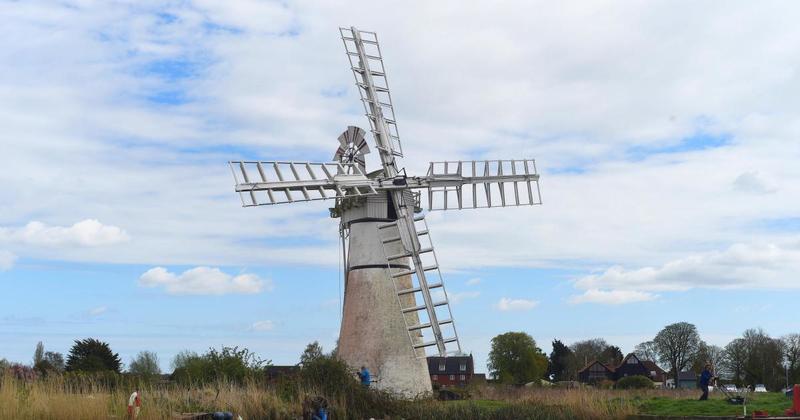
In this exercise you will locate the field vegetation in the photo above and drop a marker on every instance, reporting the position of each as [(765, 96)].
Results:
[(95, 397)]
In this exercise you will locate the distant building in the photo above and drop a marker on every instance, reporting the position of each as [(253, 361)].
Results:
[(452, 371), (275, 372), (687, 380), (631, 365)]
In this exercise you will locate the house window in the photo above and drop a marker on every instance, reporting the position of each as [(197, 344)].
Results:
[(435, 377), (463, 366), (462, 378), (632, 361), (452, 377), (441, 366), (653, 373)]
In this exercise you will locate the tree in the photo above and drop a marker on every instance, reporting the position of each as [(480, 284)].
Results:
[(562, 362), (38, 354), (709, 353), (587, 350), (791, 351), (228, 364), (145, 364), (646, 351), (51, 362), (611, 356), (515, 359), (313, 351), (764, 359), (734, 360), (677, 345), (91, 355), (55, 360)]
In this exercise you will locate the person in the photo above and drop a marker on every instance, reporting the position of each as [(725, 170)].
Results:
[(134, 404), (705, 379), (364, 376)]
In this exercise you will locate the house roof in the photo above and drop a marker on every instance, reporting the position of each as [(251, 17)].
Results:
[(687, 376), (650, 365), (452, 365), (608, 368)]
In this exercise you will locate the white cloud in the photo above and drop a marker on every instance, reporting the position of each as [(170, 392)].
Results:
[(265, 325), (756, 266), (612, 297), (474, 281), (97, 311), (203, 281), (461, 296), (507, 304), (89, 232), (7, 260), (752, 182), (180, 206)]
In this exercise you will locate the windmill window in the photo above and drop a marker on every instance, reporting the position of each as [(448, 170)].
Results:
[(462, 377), (441, 366), (435, 377), (452, 377), (463, 366)]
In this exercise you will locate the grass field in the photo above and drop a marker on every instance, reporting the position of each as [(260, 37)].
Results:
[(774, 403), (56, 399)]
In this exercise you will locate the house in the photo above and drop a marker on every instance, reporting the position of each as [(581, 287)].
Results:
[(451, 371), (687, 380), (595, 371), (631, 365)]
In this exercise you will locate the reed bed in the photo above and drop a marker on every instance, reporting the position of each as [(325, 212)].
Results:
[(55, 397)]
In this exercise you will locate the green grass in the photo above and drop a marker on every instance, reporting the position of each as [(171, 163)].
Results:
[(774, 403)]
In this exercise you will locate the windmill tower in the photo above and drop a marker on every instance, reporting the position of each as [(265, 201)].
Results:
[(396, 310)]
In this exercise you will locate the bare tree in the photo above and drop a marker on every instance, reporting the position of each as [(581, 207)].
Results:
[(735, 360), (646, 351), (677, 345), (791, 351), (709, 353), (588, 350)]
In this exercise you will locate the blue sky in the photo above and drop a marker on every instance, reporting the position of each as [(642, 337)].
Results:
[(666, 143)]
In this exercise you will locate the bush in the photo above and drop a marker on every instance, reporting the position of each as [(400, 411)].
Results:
[(230, 364), (634, 382)]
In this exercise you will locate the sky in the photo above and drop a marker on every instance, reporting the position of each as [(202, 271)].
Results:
[(665, 133)]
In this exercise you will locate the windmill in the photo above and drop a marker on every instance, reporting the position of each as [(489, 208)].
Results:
[(396, 311)]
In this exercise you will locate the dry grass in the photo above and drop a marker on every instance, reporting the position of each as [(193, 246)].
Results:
[(56, 398)]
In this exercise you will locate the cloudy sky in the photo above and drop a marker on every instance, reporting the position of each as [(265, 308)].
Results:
[(665, 134)]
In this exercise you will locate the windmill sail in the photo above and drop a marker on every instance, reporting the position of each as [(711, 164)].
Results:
[(366, 61), (274, 182), (481, 184), (420, 289)]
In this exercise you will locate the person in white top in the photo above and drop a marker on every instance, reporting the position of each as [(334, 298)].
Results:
[(134, 404)]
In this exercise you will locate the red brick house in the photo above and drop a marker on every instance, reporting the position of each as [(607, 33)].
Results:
[(451, 371), (631, 365)]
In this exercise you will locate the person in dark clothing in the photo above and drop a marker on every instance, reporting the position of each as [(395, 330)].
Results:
[(705, 378)]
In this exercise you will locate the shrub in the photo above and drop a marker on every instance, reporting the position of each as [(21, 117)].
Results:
[(230, 364), (634, 382)]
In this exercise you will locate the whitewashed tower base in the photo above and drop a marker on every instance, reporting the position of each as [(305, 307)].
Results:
[(373, 332)]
